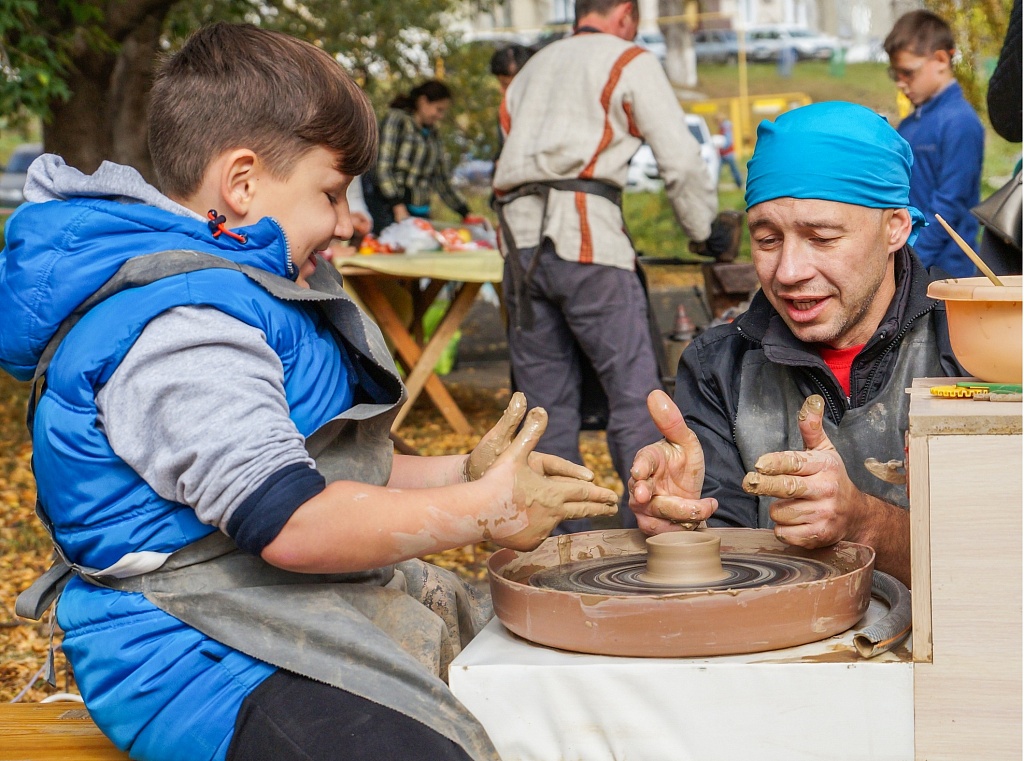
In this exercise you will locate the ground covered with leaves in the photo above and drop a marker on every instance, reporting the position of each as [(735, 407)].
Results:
[(25, 549)]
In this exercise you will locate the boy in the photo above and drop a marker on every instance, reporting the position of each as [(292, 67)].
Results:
[(945, 134), (220, 379)]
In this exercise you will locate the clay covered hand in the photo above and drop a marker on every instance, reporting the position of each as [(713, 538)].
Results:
[(496, 441), (536, 502), (667, 476), (817, 503)]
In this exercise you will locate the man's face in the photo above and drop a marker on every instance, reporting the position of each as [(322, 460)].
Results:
[(920, 77), (827, 267), (309, 204)]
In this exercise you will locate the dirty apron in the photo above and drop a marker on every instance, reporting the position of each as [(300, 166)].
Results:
[(386, 635), (521, 276), (769, 402), (594, 403)]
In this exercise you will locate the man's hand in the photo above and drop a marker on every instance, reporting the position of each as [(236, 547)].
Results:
[(817, 503), (724, 242), (496, 441), (667, 476), (539, 502)]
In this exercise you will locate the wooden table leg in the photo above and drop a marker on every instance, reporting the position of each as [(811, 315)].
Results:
[(423, 370), (413, 356)]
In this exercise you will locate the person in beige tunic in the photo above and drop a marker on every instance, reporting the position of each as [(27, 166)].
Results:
[(573, 118)]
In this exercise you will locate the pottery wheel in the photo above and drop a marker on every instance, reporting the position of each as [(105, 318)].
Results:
[(582, 592), (613, 576)]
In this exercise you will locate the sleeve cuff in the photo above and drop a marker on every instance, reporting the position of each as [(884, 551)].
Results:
[(261, 516)]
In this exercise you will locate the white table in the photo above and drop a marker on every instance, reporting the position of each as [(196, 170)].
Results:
[(815, 702)]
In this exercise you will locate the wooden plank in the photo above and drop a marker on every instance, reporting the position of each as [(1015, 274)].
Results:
[(52, 732), (920, 548), (968, 699)]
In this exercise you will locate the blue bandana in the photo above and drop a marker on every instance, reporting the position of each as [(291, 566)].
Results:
[(833, 151)]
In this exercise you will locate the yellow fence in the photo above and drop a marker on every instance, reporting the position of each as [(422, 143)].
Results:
[(745, 116)]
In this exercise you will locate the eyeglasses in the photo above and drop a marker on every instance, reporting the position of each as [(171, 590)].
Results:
[(905, 75)]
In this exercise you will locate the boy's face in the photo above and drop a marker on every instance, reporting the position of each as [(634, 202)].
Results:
[(920, 77), (309, 204)]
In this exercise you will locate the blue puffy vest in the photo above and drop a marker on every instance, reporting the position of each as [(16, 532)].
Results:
[(154, 685)]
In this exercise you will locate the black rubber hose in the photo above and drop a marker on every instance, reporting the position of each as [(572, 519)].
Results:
[(887, 633)]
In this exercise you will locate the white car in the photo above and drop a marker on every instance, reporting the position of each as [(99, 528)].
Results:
[(643, 168), (766, 43)]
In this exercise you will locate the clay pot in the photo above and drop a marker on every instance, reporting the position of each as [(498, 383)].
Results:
[(684, 557)]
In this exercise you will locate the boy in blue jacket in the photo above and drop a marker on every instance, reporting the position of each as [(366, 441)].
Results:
[(210, 439), (945, 134)]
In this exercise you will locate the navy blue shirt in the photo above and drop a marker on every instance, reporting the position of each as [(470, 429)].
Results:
[(948, 143)]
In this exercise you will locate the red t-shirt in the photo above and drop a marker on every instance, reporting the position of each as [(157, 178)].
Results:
[(840, 361)]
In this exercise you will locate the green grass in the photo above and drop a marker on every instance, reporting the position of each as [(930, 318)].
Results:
[(864, 83), (655, 232)]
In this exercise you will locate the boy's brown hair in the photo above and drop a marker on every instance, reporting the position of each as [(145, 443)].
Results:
[(921, 33), (239, 86)]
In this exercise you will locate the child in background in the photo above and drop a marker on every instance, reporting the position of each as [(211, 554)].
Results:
[(945, 134), (728, 151)]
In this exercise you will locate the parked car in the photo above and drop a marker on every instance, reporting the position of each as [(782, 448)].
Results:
[(767, 43), (12, 179), (653, 41), (643, 168), (716, 46)]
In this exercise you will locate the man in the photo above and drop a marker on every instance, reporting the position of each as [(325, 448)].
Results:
[(506, 63), (945, 134), (574, 116), (783, 406)]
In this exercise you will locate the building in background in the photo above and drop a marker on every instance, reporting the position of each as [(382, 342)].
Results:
[(860, 24)]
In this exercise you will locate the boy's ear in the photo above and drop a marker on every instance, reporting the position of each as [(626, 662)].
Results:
[(238, 180), (944, 57)]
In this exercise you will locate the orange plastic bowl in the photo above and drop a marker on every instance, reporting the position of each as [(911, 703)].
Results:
[(984, 325)]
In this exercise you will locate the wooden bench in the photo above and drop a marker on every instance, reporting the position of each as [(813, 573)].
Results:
[(52, 732)]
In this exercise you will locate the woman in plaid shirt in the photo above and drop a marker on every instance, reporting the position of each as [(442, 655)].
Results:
[(411, 162)]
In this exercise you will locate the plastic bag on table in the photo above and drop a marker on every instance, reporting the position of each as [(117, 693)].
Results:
[(474, 234), (411, 235)]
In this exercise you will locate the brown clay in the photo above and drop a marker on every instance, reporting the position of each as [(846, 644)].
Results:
[(684, 557), (698, 622)]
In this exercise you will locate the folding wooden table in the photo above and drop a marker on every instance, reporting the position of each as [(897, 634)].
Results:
[(467, 270)]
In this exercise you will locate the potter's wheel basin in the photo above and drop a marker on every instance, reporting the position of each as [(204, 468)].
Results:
[(696, 623)]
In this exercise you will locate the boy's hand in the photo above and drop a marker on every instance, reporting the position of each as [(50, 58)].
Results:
[(496, 441), (667, 476), (538, 501)]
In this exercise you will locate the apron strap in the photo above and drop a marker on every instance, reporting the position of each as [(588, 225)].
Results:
[(520, 276)]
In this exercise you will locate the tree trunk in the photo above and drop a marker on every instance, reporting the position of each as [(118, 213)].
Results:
[(105, 118), (680, 58)]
